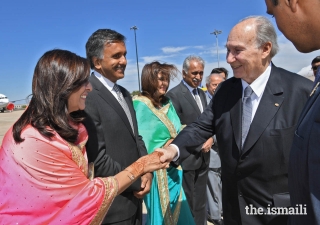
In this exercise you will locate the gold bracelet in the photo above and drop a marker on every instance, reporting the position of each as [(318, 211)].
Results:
[(131, 176)]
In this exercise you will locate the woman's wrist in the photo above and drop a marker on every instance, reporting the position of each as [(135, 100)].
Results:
[(135, 170)]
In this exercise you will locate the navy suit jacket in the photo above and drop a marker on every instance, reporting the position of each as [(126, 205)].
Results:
[(304, 164), (257, 176)]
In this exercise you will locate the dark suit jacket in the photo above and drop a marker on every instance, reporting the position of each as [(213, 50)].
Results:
[(257, 176), (112, 145), (304, 163), (188, 111)]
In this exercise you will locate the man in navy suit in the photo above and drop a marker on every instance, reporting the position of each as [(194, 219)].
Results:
[(263, 101), (299, 22)]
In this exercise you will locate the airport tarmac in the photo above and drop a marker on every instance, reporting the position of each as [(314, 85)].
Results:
[(7, 119)]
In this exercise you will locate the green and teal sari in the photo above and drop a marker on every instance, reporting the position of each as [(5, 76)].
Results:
[(166, 203)]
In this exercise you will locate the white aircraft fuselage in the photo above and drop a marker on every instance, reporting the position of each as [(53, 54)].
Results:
[(4, 101)]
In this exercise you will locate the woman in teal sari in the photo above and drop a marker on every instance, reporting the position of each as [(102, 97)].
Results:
[(159, 124)]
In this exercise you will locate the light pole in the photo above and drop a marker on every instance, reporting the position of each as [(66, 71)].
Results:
[(134, 28), (217, 32)]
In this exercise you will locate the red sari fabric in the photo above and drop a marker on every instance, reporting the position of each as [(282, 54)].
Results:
[(46, 181)]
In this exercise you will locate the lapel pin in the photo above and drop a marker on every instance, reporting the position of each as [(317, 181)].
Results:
[(314, 89), (276, 104)]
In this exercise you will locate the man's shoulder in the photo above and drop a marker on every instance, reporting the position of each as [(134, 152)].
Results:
[(293, 78), (176, 89)]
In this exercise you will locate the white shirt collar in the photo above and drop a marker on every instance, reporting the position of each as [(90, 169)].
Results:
[(188, 86), (105, 81), (259, 84)]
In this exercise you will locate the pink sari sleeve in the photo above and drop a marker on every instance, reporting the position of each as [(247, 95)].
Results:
[(50, 183)]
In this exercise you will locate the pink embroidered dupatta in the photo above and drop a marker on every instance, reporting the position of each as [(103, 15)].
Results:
[(45, 182)]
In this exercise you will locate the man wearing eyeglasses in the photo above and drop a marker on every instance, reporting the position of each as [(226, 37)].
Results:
[(189, 102), (314, 65)]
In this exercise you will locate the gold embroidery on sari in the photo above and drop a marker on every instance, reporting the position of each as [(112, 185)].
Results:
[(161, 114), (78, 157), (169, 218), (111, 190)]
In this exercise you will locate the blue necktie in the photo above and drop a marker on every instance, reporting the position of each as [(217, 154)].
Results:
[(246, 113)]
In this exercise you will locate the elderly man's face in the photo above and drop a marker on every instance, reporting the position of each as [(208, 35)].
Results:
[(246, 59), (215, 80), (193, 76)]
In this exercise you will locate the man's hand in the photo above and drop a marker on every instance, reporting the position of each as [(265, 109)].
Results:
[(168, 153), (206, 146), (146, 181)]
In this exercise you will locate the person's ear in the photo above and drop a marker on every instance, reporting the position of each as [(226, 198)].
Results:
[(266, 49), (292, 4), (184, 74), (96, 63)]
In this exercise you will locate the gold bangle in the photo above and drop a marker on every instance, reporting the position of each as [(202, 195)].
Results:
[(130, 175)]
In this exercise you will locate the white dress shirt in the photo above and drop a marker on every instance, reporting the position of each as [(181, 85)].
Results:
[(107, 83), (191, 91), (258, 86)]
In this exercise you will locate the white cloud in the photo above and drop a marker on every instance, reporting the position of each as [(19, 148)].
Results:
[(148, 59), (173, 49)]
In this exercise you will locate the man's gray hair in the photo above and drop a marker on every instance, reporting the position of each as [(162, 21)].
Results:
[(265, 32), (96, 42), (214, 74), (186, 62)]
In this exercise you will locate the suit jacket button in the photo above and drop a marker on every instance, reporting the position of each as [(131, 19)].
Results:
[(240, 194)]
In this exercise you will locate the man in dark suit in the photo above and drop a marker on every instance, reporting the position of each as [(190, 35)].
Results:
[(254, 115), (299, 22), (189, 101), (214, 185), (114, 142)]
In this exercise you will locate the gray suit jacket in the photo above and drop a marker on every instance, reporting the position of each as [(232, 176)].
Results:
[(112, 145), (188, 111), (257, 175)]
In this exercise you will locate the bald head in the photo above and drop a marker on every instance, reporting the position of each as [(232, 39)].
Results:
[(250, 47)]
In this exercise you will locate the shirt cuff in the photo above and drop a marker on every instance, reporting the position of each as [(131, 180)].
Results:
[(178, 152)]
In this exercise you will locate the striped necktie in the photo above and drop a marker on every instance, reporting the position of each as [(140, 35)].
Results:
[(197, 98), (123, 104)]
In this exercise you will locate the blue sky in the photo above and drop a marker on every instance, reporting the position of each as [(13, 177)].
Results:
[(168, 31)]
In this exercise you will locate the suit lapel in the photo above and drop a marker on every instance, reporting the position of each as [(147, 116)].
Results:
[(107, 96), (186, 93), (269, 105), (203, 98), (309, 103), (235, 99)]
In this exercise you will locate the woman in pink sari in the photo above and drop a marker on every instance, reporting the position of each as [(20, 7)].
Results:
[(44, 172)]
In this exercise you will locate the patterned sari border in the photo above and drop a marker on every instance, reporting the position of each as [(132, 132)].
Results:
[(111, 190)]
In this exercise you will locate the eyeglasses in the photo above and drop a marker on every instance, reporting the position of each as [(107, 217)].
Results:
[(314, 67)]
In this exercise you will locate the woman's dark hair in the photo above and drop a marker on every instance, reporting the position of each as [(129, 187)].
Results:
[(149, 80), (57, 74)]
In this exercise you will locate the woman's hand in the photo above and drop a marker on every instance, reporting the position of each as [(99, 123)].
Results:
[(146, 164)]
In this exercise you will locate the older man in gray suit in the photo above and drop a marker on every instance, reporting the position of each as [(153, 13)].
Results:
[(214, 185)]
